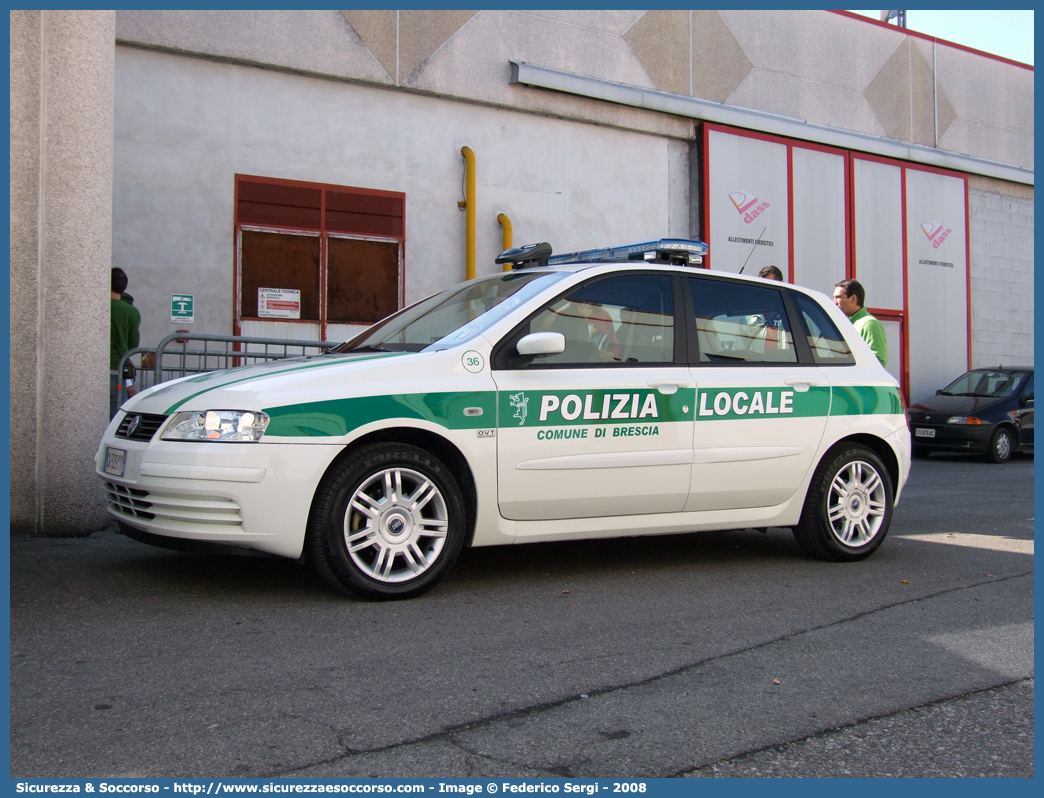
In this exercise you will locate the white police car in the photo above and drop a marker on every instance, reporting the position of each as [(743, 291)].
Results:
[(599, 394)]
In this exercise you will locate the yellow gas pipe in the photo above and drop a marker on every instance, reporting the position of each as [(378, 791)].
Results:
[(505, 222), (469, 208)]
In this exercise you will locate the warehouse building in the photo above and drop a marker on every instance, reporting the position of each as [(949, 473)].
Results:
[(320, 156)]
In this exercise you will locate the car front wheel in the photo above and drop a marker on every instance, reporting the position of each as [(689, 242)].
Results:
[(848, 508), (388, 523), (1001, 446)]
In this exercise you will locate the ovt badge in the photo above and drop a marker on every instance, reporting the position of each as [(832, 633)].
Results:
[(520, 402)]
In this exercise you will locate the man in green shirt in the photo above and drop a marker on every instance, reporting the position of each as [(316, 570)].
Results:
[(849, 295), (124, 321)]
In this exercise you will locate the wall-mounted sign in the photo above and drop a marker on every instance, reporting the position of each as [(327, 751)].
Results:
[(279, 303), (182, 308)]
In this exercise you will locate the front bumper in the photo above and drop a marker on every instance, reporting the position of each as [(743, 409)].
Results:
[(254, 496)]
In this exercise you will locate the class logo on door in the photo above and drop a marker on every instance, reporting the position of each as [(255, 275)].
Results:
[(747, 205), (935, 232)]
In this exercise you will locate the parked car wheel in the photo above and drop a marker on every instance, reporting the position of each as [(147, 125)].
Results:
[(1001, 446), (848, 508), (388, 522)]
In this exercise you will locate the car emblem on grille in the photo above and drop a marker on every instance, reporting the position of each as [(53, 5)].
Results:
[(133, 425)]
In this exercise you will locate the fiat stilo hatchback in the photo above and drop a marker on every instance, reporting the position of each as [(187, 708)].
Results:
[(593, 395)]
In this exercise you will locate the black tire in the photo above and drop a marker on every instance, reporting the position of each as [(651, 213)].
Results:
[(1002, 446), (920, 452), (850, 496), (407, 507)]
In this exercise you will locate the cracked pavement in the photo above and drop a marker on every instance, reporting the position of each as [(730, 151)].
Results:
[(713, 654)]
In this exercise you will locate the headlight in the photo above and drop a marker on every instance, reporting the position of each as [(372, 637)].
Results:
[(963, 420), (222, 426)]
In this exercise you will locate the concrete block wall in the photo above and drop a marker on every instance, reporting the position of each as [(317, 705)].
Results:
[(1001, 237), (62, 67)]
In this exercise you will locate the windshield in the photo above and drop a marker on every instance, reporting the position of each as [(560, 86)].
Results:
[(454, 316), (993, 384)]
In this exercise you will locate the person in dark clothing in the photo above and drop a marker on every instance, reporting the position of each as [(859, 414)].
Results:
[(124, 321)]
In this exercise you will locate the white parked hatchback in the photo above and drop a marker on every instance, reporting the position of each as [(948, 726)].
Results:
[(600, 394)]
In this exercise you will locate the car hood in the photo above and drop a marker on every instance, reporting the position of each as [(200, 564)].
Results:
[(955, 405), (274, 383)]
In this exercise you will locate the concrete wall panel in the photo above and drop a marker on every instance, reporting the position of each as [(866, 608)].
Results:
[(815, 102), (660, 39), (814, 47), (423, 32), (379, 32), (64, 320), (903, 97), (616, 22), (719, 64), (321, 42), (994, 105), (25, 242)]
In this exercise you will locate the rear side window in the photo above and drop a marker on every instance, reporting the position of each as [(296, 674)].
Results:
[(824, 339), (741, 324)]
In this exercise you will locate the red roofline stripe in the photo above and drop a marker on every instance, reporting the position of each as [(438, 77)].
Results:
[(935, 39)]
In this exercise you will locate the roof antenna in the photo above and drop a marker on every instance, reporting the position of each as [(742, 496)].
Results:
[(756, 240)]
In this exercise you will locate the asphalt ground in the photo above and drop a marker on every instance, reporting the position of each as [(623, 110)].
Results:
[(707, 655)]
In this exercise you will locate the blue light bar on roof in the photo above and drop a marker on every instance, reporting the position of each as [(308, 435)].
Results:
[(664, 250)]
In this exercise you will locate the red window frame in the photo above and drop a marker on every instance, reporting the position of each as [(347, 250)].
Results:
[(324, 232)]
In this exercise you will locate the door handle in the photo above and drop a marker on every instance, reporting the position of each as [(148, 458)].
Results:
[(668, 387), (800, 384)]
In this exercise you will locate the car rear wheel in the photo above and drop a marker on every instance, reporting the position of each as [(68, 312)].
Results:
[(848, 508), (388, 523), (1001, 446)]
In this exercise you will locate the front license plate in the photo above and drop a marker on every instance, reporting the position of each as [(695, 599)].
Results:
[(923, 432), (115, 461)]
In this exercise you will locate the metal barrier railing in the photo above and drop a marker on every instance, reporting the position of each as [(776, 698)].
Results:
[(166, 362)]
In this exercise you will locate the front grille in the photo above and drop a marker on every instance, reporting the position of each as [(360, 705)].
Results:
[(128, 501), (174, 511), (140, 426)]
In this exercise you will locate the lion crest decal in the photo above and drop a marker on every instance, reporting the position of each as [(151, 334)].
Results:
[(520, 402)]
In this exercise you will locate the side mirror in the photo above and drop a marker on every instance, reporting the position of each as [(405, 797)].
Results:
[(1027, 399), (938, 392), (541, 343)]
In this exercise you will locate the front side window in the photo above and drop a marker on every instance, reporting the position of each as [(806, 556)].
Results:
[(621, 320), (824, 339), (738, 323)]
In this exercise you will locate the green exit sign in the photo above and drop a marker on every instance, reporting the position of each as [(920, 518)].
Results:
[(181, 308)]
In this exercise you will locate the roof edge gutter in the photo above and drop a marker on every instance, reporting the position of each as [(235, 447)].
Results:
[(707, 111)]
